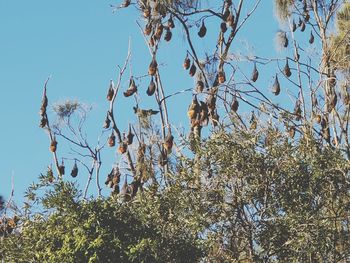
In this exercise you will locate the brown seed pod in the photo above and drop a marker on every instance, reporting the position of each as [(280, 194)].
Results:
[(204, 114), (43, 122), (126, 3), (132, 88), (291, 132), (228, 2), (346, 98), (171, 22), (159, 31), (162, 158), (151, 42), (75, 170), (294, 26), (44, 100), (202, 31), (296, 56), (168, 35), (332, 101), (223, 27), (314, 100), (42, 111), (111, 140), (62, 168), (304, 6), (318, 118), (199, 86), (326, 134), (122, 148), (230, 20), (335, 141), (302, 26), (193, 70), (297, 110), (130, 136), (235, 104), (221, 76), (253, 121), (255, 74), (225, 14), (107, 122), (168, 143), (110, 92), (187, 63), (215, 118), (332, 80), (300, 22), (151, 88), (276, 89), (287, 72), (148, 29), (312, 38), (286, 41), (53, 145), (152, 68), (306, 16), (211, 102), (49, 174), (147, 12), (124, 192), (193, 109)]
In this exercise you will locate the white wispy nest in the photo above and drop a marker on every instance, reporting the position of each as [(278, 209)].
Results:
[(66, 108)]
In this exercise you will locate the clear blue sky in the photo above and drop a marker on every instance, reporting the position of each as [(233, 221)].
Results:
[(80, 43)]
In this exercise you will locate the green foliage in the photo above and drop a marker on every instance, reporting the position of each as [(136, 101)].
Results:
[(101, 230), (261, 198), (340, 42)]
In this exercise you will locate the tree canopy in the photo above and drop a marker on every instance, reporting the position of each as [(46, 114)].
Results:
[(257, 179)]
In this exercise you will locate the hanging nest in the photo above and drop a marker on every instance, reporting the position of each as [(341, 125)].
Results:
[(221, 77), (171, 22), (276, 89), (223, 27), (312, 38), (253, 121), (113, 179), (122, 147), (130, 136), (132, 88), (75, 170), (110, 92), (43, 122), (62, 168), (287, 72), (168, 143), (107, 122), (187, 63), (203, 114), (152, 68), (202, 31), (255, 74), (283, 9), (234, 104), (53, 145), (151, 88), (199, 86), (193, 70), (168, 35), (111, 140)]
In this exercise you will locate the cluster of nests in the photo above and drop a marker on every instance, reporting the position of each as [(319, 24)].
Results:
[(7, 225), (128, 191)]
